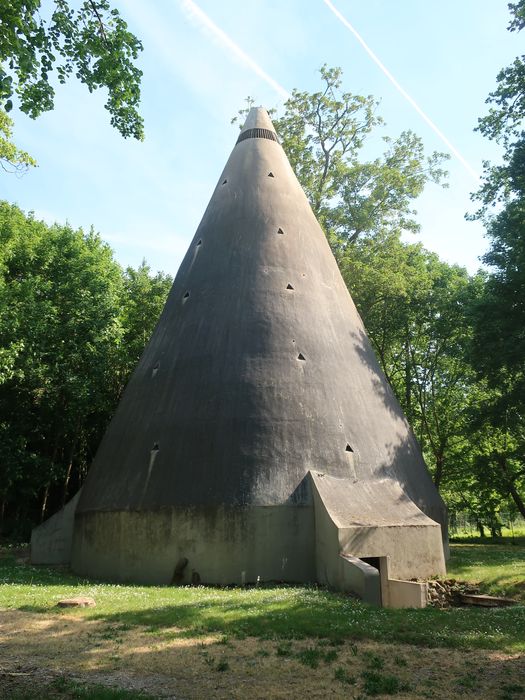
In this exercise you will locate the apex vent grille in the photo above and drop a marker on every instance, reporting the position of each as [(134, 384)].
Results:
[(258, 134)]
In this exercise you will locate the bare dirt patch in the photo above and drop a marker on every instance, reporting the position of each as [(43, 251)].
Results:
[(36, 648)]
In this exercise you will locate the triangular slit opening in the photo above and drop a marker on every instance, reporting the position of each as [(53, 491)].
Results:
[(279, 230), (199, 243), (300, 356), (186, 296), (270, 174), (224, 182), (348, 448), (289, 286)]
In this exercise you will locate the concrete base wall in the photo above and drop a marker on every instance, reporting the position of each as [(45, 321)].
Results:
[(51, 541), (414, 551), (405, 594), (327, 550), (222, 545)]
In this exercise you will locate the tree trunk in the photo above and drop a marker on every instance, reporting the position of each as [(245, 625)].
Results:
[(68, 475), (515, 494), (495, 531), (518, 500), (438, 474), (44, 503), (408, 390)]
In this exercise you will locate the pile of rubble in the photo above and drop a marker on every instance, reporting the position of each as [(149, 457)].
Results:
[(448, 593)]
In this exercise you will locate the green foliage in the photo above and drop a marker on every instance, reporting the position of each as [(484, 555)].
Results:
[(312, 656), (416, 309), (12, 159), (511, 691), (373, 661), (498, 347), (500, 568), (504, 124), (63, 687), (284, 649), (144, 296), (342, 675), (70, 333), (382, 684), (90, 41), (468, 681), (59, 293), (309, 657), (323, 134), (505, 119)]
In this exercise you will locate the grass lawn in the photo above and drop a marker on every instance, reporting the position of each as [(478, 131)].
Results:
[(289, 612), (279, 641), (499, 568)]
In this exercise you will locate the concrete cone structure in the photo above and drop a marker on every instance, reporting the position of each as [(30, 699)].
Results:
[(258, 438)]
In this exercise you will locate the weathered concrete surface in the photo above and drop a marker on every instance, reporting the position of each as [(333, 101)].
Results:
[(370, 519), (223, 545), (358, 577), (51, 541), (258, 371), (406, 594)]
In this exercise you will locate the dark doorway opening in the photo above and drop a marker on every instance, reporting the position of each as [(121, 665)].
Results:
[(372, 561)]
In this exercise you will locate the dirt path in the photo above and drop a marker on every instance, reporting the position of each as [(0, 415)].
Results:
[(37, 648)]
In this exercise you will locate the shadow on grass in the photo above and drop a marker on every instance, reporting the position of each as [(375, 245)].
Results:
[(334, 617), (466, 555), (33, 608), (266, 613), (501, 570), (35, 575), (195, 664)]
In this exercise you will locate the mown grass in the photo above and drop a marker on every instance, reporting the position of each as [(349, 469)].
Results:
[(278, 612), (499, 568)]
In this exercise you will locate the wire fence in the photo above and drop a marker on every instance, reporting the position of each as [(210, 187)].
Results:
[(503, 525)]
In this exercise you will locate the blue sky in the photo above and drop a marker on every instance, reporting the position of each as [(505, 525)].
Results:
[(146, 199)]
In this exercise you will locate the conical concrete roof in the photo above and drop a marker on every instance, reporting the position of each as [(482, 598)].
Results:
[(259, 368)]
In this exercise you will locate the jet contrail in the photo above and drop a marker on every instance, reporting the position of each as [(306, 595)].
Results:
[(400, 89), (206, 24)]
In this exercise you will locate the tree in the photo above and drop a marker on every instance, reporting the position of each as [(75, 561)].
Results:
[(323, 134), (498, 349), (70, 332), (59, 317), (144, 297), (93, 42), (416, 311), (11, 158), (504, 125), (416, 308)]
